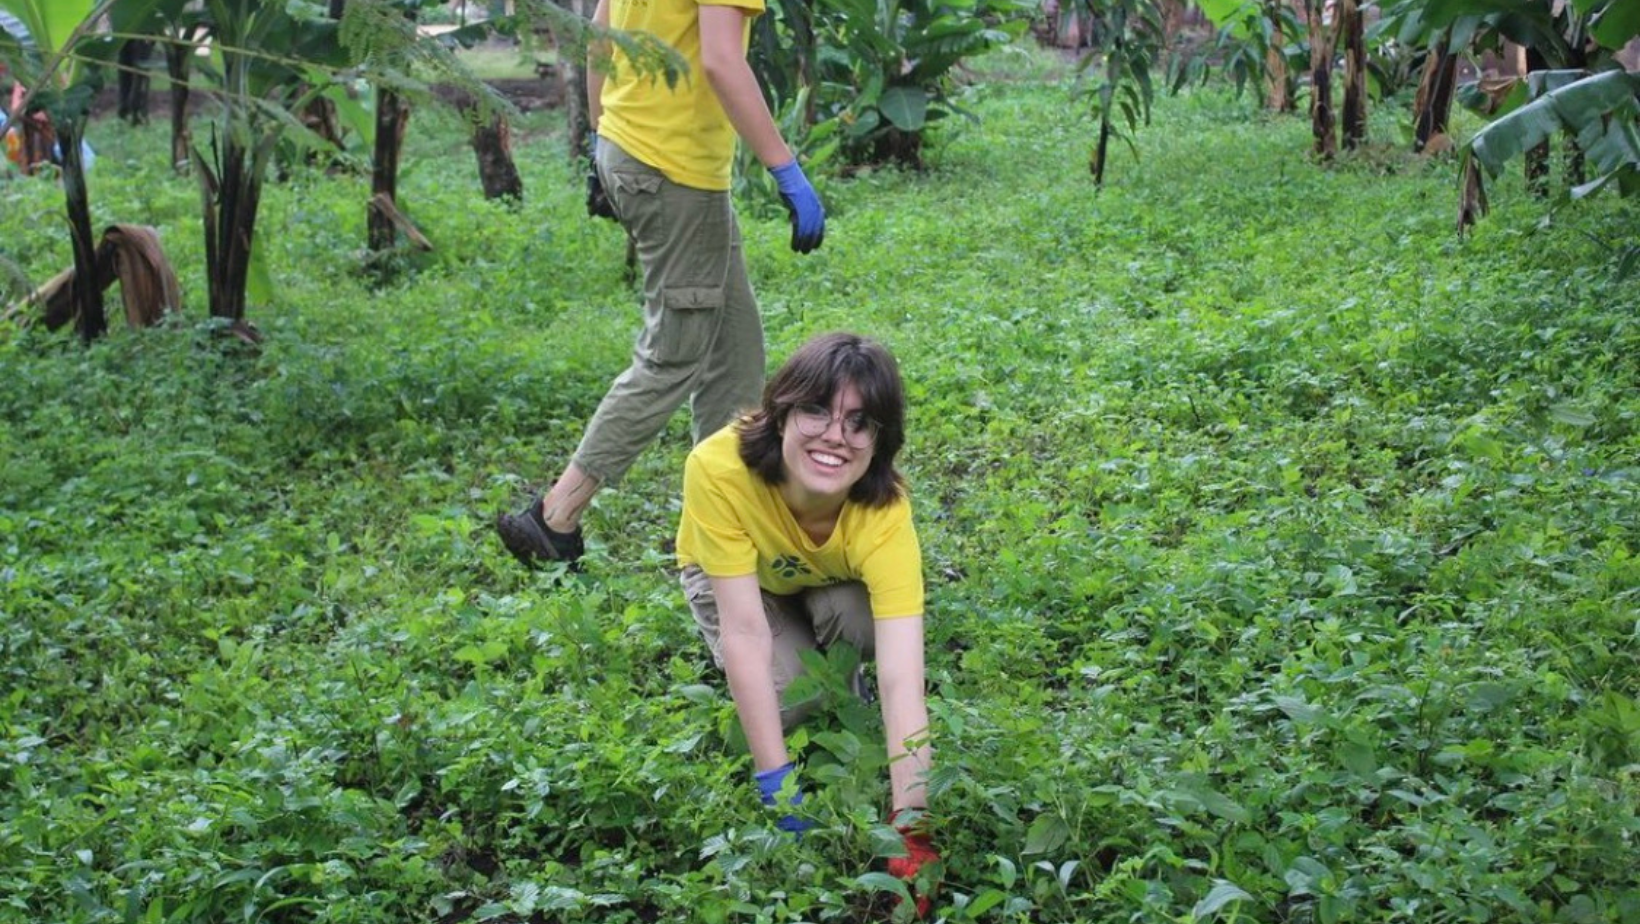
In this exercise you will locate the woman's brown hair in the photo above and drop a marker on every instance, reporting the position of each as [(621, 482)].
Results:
[(814, 375)]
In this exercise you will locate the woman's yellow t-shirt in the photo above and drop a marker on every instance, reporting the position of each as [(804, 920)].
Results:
[(680, 130), (735, 523)]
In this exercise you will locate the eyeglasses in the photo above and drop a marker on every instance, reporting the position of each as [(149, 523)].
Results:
[(859, 431)]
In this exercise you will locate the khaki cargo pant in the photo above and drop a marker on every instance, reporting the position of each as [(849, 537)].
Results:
[(813, 619), (702, 339)]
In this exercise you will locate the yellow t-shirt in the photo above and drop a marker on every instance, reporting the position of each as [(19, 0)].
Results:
[(682, 130), (735, 523)]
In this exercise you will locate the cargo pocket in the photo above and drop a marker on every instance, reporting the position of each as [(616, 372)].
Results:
[(634, 184), (688, 322)]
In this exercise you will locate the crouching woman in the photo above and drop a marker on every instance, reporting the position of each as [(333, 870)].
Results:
[(796, 533)]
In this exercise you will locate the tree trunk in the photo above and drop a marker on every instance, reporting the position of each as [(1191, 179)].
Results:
[(1277, 98), (392, 117), (133, 81), (1432, 108), (492, 142), (178, 56), (90, 320), (1355, 73), (231, 203), (1096, 164), (1321, 108)]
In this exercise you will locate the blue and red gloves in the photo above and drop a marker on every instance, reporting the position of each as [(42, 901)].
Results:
[(807, 214), (771, 785), (919, 854)]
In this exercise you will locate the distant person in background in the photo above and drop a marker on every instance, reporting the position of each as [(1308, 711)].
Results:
[(663, 157), (31, 140), (796, 533)]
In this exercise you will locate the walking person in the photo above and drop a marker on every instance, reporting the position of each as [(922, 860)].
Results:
[(663, 159), (796, 533)]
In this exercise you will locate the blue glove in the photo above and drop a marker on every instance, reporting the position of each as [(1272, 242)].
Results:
[(769, 784), (808, 215)]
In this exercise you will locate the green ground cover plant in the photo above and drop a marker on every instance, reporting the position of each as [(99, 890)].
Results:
[(1281, 550)]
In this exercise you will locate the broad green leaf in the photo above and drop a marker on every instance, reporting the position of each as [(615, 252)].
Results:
[(1223, 11), (49, 21), (906, 107), (985, 901), (1006, 871), (1358, 757), (1618, 24), (1222, 893), (1298, 710), (1048, 833), (882, 882), (1569, 106), (1223, 806), (1572, 415)]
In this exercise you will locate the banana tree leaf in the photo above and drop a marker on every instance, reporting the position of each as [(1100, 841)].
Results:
[(51, 22), (906, 107), (1221, 12), (867, 123), (1570, 107), (130, 17), (1612, 143), (1618, 24)]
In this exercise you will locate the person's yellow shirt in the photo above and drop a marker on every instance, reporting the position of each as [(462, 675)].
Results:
[(680, 130), (734, 523)]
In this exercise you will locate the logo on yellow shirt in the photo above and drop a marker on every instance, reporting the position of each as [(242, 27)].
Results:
[(790, 567)]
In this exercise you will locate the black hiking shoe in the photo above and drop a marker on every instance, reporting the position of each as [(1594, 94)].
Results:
[(528, 537)]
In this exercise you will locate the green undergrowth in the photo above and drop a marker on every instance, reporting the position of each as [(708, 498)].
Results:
[(1281, 548)]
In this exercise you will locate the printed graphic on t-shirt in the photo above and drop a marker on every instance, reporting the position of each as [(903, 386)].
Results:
[(790, 567)]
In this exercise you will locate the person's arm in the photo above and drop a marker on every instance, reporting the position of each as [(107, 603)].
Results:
[(723, 58), (900, 682), (597, 53), (748, 659)]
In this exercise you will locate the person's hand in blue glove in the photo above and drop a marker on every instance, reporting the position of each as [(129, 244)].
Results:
[(808, 215), (770, 783)]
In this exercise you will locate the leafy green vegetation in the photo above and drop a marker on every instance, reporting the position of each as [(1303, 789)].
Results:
[(1281, 547)]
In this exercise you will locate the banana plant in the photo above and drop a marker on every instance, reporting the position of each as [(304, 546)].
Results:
[(1598, 106), (1122, 92), (885, 65), (1258, 45), (62, 64)]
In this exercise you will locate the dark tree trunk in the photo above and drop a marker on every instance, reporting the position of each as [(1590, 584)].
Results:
[(899, 147), (392, 117), (1321, 108), (178, 56), (1355, 74), (133, 81), (90, 320), (1432, 109), (230, 226), (1096, 164), (492, 142)]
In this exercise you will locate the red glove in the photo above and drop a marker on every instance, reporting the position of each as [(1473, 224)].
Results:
[(919, 852)]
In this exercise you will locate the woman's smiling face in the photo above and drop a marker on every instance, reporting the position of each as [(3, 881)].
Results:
[(822, 469)]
